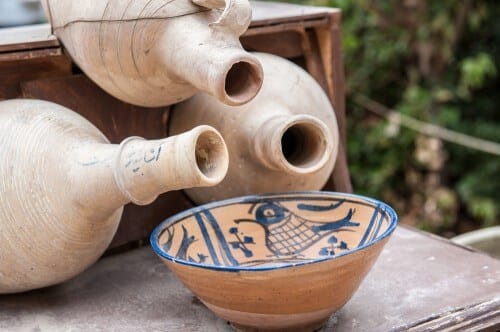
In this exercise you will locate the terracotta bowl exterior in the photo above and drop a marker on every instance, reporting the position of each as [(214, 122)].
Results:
[(277, 261)]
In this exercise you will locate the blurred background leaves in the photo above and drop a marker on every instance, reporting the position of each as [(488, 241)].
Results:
[(436, 61)]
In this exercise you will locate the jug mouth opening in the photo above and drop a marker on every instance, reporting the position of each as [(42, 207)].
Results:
[(243, 82), (211, 156), (304, 146)]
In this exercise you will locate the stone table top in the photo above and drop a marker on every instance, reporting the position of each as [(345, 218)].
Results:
[(420, 282)]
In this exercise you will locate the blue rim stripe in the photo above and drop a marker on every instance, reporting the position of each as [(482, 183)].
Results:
[(209, 243), (370, 226), (392, 218), (379, 224), (220, 236)]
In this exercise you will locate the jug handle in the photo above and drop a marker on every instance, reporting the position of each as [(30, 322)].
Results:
[(236, 16)]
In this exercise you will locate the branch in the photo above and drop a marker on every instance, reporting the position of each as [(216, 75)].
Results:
[(428, 129)]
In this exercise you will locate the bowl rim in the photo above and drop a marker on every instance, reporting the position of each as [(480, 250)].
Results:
[(153, 239)]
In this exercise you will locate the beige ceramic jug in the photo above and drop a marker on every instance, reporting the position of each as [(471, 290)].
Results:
[(285, 139), (159, 52), (63, 186)]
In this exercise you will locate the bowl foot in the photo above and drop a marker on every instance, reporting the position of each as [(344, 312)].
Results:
[(256, 322), (307, 327)]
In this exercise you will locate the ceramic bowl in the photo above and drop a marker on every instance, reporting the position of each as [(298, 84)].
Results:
[(278, 261)]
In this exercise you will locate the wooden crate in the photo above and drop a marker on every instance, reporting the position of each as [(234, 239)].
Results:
[(33, 64)]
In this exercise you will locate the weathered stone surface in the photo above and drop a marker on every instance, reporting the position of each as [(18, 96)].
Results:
[(418, 280)]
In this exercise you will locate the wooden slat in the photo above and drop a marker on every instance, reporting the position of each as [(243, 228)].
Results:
[(418, 283), (286, 44), (116, 119), (284, 26), (17, 67), (314, 62), (30, 54), (330, 49), (482, 316), (263, 14), (27, 38), (266, 13), (329, 41)]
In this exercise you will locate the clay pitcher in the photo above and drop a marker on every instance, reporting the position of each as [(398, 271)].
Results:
[(63, 187), (285, 139), (158, 52)]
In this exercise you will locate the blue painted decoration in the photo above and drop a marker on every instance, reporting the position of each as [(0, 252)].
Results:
[(287, 233), (292, 229), (241, 243), (333, 245)]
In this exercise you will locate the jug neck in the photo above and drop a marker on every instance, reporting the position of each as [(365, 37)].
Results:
[(138, 170), (211, 59), (295, 144)]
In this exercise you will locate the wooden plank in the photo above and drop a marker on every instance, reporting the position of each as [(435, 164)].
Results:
[(340, 179), (330, 49), (27, 37), (284, 26), (286, 43), (17, 67), (30, 54), (480, 316), (117, 120), (314, 62), (329, 41), (265, 13), (418, 281)]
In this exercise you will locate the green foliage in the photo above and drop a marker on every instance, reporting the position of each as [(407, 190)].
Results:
[(436, 61), (474, 71)]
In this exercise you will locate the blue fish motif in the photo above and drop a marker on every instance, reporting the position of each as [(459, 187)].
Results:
[(334, 225), (288, 233)]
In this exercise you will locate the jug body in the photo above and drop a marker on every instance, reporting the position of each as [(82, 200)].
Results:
[(63, 187), (157, 53), (285, 139)]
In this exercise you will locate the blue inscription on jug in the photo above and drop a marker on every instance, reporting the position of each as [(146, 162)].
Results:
[(153, 155)]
